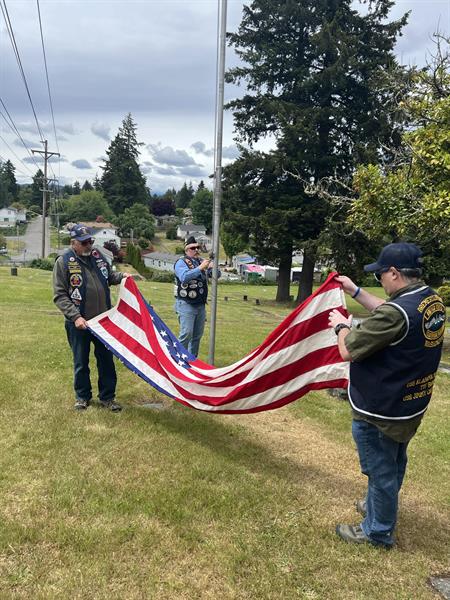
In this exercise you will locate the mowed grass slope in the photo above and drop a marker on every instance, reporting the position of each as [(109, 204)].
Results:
[(179, 504)]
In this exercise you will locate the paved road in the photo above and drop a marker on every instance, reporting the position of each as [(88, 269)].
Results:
[(33, 241)]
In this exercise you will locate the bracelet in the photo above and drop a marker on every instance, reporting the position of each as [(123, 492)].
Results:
[(358, 289)]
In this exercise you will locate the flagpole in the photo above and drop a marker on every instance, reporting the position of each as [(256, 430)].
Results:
[(217, 195)]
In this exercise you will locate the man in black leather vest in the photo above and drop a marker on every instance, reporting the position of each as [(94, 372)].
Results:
[(394, 356), (81, 280)]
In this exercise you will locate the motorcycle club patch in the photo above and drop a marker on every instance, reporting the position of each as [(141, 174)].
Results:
[(76, 296), (76, 280)]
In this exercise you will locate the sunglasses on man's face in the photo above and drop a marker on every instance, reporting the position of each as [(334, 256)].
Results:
[(378, 274), (86, 242), (194, 248)]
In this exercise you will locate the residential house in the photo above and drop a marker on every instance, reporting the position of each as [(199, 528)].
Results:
[(160, 261), (10, 217), (188, 229)]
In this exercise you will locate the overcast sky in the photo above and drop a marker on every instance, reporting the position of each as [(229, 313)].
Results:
[(153, 58)]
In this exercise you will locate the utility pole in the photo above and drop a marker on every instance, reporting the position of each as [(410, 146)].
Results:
[(217, 195), (44, 189)]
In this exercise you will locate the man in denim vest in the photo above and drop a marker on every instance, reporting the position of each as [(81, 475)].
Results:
[(81, 280), (191, 293), (394, 355)]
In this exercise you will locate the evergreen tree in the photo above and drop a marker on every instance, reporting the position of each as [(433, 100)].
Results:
[(184, 196), (87, 186), (97, 184), (9, 190), (36, 187), (201, 185), (202, 206), (122, 182), (313, 72), (76, 189)]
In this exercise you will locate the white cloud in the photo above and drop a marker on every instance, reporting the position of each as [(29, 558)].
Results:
[(169, 156)]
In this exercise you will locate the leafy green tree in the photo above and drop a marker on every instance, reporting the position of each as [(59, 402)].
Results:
[(409, 198), (87, 206), (122, 182), (184, 196), (232, 243), (9, 189), (313, 72), (202, 206), (137, 220)]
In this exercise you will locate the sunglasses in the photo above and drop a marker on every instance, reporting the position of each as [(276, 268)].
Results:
[(193, 248), (379, 273), (86, 242)]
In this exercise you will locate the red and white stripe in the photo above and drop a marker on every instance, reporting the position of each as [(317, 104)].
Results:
[(300, 355)]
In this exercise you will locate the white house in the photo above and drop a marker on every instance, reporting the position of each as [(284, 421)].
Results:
[(103, 232), (160, 260), (185, 231), (10, 217)]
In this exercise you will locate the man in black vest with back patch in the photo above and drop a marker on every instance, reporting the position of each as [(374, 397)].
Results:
[(394, 356), (81, 280)]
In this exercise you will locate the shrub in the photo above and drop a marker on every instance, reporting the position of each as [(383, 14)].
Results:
[(46, 264), (179, 250), (143, 243), (171, 233), (444, 293)]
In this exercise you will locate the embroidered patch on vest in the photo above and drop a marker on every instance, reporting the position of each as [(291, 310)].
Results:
[(75, 295), (433, 320), (76, 280)]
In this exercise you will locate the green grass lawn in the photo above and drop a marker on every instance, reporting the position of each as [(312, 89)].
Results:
[(178, 504)]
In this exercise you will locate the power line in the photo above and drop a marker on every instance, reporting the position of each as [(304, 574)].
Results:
[(46, 75), (13, 126), (18, 170), (11, 150), (19, 62)]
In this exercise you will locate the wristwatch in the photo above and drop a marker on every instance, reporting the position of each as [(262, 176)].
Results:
[(340, 326)]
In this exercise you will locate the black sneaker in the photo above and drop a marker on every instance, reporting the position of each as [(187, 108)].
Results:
[(111, 405), (81, 404)]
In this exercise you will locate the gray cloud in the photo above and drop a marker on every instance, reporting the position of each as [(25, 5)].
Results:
[(165, 171), (193, 171), (200, 148), (101, 130), (169, 156), (38, 159), (81, 163), (28, 143)]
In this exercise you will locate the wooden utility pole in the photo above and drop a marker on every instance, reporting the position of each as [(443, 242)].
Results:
[(44, 189)]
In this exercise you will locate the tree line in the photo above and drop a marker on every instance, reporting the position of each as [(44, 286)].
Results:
[(360, 146)]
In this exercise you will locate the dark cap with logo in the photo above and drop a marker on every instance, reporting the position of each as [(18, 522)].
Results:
[(191, 240), (80, 233), (402, 255)]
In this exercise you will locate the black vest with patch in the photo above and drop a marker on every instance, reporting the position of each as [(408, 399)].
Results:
[(76, 277), (396, 382), (194, 291)]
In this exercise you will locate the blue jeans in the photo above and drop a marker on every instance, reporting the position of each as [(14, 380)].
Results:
[(384, 462), (80, 343), (192, 319)]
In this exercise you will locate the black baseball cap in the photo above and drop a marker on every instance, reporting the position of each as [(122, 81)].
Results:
[(402, 255), (80, 233)]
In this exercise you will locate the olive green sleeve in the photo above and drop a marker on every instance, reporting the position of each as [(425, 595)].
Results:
[(383, 327)]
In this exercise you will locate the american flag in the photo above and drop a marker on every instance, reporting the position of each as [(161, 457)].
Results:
[(300, 355)]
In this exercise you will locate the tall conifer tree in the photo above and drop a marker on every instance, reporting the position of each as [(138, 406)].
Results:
[(313, 72), (122, 182)]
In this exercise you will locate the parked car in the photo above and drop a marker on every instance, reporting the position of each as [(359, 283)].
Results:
[(3, 250)]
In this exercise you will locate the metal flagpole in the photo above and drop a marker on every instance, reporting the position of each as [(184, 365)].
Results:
[(217, 196)]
